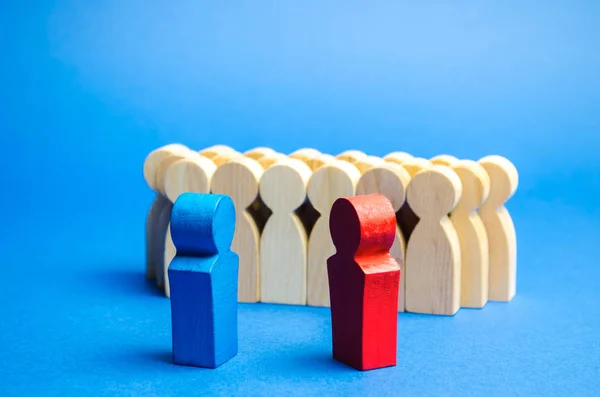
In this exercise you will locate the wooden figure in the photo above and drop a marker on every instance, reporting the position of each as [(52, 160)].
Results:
[(258, 152), (151, 165), (154, 160), (443, 159), (351, 156), (152, 229), (162, 223), (433, 251), (391, 180), (471, 233), (269, 159), (363, 282), (319, 161), (502, 239), (367, 163), (239, 179), (169, 254), (407, 219), (204, 276), (189, 175), (160, 240), (304, 154), (330, 182), (283, 243), (216, 150), (225, 157), (312, 157), (397, 157)]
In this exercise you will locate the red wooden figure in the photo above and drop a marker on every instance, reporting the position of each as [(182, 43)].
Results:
[(363, 282)]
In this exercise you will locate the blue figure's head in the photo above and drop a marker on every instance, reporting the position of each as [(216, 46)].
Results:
[(202, 224)]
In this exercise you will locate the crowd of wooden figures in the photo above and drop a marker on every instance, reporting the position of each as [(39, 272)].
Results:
[(455, 240)]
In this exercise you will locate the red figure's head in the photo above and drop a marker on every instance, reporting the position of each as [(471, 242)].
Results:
[(362, 225)]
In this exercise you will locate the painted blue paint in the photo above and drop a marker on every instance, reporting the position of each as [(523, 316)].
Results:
[(202, 224), (204, 281)]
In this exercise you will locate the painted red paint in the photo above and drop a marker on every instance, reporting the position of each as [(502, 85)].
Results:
[(363, 282)]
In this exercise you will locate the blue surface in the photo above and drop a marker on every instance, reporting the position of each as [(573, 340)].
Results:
[(89, 88)]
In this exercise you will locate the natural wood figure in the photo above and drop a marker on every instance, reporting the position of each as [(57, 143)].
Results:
[(304, 154), (214, 151), (160, 240), (391, 180), (204, 276), (471, 233), (363, 282), (283, 243), (407, 219), (154, 160), (330, 182), (189, 175), (225, 157), (397, 157), (269, 159), (319, 161), (169, 254), (433, 278), (367, 163), (312, 157), (239, 179), (351, 156), (152, 229), (151, 165), (258, 152), (443, 159), (502, 239), (160, 233)]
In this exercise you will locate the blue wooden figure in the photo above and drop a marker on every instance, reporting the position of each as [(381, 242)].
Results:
[(204, 280)]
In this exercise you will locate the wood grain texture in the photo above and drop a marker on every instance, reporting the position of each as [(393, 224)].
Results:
[(304, 154), (319, 161), (471, 233), (433, 278), (213, 151), (204, 276), (391, 180), (283, 243), (312, 157), (192, 175), (397, 157), (407, 219), (363, 282), (443, 159), (152, 229), (169, 254), (159, 238), (268, 160), (155, 158), (225, 157), (327, 184), (351, 156), (166, 163), (258, 152), (366, 163), (502, 239), (239, 179)]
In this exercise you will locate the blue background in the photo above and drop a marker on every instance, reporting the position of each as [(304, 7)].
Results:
[(87, 89)]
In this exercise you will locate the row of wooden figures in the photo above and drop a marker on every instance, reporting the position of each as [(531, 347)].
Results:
[(455, 240)]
